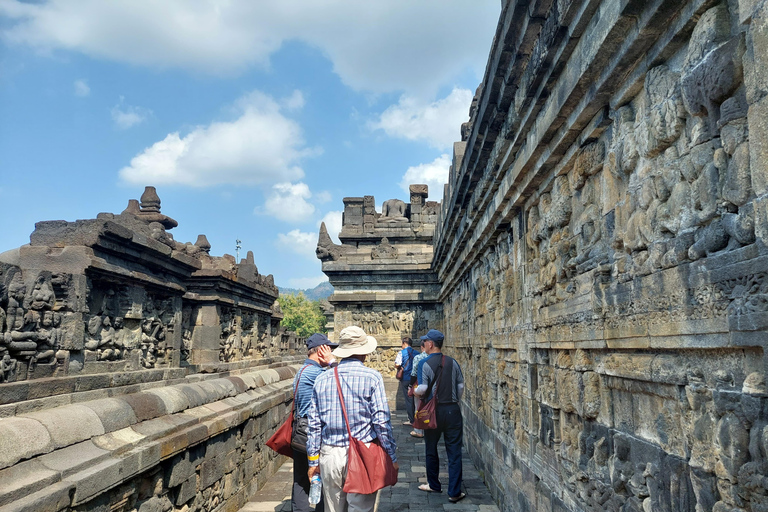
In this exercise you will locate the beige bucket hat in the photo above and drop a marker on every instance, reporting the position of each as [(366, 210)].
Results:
[(354, 342)]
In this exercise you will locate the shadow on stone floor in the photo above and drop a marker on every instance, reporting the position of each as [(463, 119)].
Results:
[(275, 496)]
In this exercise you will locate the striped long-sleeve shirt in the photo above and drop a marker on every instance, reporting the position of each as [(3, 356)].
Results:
[(311, 370), (367, 409)]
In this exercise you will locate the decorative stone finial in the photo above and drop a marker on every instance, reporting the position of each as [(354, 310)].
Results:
[(203, 244), (133, 207), (150, 201)]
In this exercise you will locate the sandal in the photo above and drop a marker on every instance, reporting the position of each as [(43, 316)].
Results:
[(456, 499), (427, 488), (416, 434)]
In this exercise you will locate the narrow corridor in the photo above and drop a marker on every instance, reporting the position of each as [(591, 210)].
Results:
[(275, 496)]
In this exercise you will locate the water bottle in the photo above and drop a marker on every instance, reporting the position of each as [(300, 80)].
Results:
[(315, 488)]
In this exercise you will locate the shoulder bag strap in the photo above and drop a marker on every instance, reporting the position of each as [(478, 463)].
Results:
[(436, 383), (341, 399), (296, 388)]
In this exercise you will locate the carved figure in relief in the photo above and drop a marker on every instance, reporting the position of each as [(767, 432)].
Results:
[(93, 333), (42, 296), (712, 70), (15, 311), (384, 250), (622, 153), (8, 369), (393, 210), (588, 232), (48, 337), (661, 114)]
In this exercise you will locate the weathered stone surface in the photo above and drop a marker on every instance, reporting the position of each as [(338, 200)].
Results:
[(114, 414), (22, 438), (601, 248)]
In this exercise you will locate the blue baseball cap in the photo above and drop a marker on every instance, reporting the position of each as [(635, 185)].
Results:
[(433, 335), (318, 339)]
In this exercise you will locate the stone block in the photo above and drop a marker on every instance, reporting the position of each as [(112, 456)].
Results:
[(194, 394), (211, 471), (53, 498), (186, 491), (758, 144), (74, 458), (22, 438), (173, 399), (119, 440), (23, 479), (114, 414), (145, 405), (69, 424), (181, 469), (156, 428), (95, 480)]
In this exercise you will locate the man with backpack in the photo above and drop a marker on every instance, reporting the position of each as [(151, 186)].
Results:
[(404, 365)]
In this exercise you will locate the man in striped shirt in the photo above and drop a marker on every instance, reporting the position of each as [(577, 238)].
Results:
[(368, 414)]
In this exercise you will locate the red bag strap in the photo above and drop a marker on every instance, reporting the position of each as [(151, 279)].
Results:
[(341, 399), (296, 387)]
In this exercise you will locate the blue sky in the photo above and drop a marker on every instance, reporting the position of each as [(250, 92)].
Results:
[(252, 118)]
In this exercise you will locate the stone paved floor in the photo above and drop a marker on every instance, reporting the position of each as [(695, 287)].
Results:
[(275, 496)]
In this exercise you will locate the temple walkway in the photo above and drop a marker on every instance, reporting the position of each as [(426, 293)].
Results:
[(275, 496)]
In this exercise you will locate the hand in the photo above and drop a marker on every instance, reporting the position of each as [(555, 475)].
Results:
[(324, 355), (397, 466), (312, 471)]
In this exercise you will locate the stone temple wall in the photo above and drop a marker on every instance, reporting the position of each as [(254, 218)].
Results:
[(381, 273), (602, 254), (136, 372)]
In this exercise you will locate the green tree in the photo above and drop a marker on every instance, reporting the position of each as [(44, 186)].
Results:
[(301, 315)]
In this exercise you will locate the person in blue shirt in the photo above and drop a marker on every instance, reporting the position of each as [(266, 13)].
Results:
[(404, 361), (318, 358)]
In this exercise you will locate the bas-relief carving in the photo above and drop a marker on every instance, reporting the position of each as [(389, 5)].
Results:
[(33, 341), (666, 184), (384, 250), (388, 322), (128, 324)]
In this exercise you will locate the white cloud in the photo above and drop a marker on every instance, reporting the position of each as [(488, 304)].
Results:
[(298, 242), (81, 88), (260, 146), (433, 174), (288, 202), (418, 46), (332, 224), (126, 116), (437, 123), (295, 101), (306, 283)]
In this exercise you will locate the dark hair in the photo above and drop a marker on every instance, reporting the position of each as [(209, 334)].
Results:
[(438, 344), (313, 350), (408, 341)]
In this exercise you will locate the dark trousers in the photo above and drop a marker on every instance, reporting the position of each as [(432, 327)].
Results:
[(451, 425), (404, 384), (300, 492)]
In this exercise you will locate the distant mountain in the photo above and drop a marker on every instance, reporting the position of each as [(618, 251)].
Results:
[(321, 291)]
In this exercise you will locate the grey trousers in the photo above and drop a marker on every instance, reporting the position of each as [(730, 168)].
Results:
[(333, 471)]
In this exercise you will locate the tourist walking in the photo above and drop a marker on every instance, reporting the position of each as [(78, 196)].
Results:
[(450, 386), (404, 365), (318, 358), (368, 414), (416, 432)]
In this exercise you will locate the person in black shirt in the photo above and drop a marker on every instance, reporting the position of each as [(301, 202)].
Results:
[(446, 372)]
